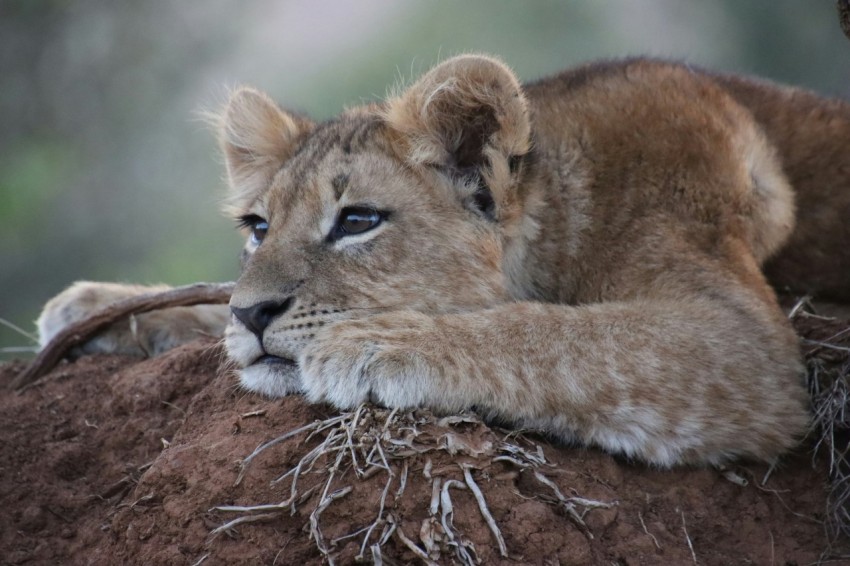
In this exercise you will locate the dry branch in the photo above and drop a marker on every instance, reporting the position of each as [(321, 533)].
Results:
[(485, 511), (80, 332), (688, 538), (569, 504), (421, 554)]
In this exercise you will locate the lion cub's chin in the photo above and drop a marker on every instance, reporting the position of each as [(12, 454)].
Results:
[(271, 378)]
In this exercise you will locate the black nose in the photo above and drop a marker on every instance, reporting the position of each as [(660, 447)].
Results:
[(257, 317)]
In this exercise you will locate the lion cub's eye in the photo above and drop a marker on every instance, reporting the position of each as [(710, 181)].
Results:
[(259, 227), (258, 231), (356, 220)]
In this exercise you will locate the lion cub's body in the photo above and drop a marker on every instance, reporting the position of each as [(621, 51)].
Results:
[(583, 254)]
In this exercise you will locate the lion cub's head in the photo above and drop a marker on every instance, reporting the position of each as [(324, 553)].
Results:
[(414, 203)]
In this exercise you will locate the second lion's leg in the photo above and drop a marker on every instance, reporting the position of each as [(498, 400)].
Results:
[(147, 334)]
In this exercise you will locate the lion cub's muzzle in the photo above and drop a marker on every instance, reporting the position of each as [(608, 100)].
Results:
[(256, 318), (275, 331)]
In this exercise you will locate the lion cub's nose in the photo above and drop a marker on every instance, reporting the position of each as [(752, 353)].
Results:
[(257, 317)]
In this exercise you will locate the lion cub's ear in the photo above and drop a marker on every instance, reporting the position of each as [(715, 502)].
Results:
[(256, 136), (469, 115)]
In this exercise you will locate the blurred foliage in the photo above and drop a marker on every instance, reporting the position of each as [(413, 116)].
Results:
[(107, 173)]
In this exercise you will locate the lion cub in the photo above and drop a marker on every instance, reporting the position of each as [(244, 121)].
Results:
[(582, 254)]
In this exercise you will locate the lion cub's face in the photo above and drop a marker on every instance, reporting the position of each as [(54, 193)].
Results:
[(407, 205)]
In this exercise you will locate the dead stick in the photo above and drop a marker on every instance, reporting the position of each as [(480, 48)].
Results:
[(79, 332)]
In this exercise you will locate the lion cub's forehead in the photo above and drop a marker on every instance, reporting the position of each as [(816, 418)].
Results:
[(346, 159)]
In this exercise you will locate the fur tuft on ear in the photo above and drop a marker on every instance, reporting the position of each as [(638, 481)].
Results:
[(459, 111), (256, 136)]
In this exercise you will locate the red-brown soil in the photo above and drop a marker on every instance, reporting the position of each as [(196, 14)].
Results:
[(112, 460)]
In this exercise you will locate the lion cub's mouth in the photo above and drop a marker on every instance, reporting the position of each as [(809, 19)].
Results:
[(270, 360)]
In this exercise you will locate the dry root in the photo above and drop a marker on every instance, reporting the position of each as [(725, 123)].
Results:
[(827, 356), (369, 441)]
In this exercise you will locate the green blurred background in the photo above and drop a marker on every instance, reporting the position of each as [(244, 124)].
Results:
[(107, 173)]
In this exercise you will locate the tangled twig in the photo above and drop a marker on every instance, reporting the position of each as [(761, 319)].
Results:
[(827, 360), (370, 441), (485, 511), (571, 504)]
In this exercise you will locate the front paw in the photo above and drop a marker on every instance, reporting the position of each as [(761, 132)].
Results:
[(381, 359)]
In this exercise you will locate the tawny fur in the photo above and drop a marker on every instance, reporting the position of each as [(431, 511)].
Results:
[(612, 291)]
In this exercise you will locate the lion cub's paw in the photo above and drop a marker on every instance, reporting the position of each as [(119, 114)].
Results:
[(375, 359)]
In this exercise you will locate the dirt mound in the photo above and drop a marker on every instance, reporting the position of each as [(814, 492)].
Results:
[(113, 460)]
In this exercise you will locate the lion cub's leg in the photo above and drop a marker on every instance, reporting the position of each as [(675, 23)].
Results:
[(686, 379), (147, 334)]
